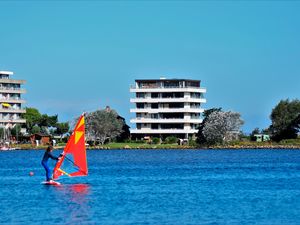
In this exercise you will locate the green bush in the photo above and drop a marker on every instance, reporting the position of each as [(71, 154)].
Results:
[(171, 140), (192, 142), (155, 140), (290, 142), (135, 141)]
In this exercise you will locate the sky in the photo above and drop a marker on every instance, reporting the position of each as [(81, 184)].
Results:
[(83, 55)]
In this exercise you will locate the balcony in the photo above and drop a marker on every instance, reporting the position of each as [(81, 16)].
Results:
[(12, 110), (163, 131), (12, 100), (166, 100), (12, 90), (7, 120), (168, 110), (169, 89), (12, 81), (173, 120)]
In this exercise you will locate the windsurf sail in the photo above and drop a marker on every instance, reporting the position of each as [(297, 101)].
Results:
[(73, 161)]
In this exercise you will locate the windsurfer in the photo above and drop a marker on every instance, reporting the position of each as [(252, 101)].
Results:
[(46, 156)]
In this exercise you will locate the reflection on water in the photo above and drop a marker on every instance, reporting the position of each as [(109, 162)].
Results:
[(75, 201), (81, 189)]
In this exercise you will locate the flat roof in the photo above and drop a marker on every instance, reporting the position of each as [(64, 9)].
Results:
[(164, 79), (6, 72)]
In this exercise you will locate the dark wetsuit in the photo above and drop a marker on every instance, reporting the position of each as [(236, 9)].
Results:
[(48, 155)]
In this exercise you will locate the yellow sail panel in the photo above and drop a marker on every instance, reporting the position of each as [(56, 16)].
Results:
[(81, 122), (78, 135)]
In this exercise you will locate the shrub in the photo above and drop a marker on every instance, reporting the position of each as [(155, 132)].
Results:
[(171, 140), (192, 142), (155, 140)]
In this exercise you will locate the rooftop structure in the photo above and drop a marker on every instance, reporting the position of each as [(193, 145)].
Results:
[(167, 107)]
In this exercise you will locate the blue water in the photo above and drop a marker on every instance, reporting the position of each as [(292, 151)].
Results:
[(156, 187)]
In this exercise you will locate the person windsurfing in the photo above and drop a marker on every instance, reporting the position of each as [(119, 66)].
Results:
[(46, 156)]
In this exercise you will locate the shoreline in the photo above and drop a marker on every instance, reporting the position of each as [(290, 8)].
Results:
[(161, 147)]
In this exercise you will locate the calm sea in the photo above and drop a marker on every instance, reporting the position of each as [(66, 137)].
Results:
[(156, 187)]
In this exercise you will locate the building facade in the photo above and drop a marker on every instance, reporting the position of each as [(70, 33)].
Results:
[(11, 100), (167, 107)]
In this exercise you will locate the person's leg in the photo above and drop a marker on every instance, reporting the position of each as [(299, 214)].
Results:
[(48, 171)]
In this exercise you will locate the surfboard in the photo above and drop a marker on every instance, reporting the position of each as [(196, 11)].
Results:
[(54, 183)]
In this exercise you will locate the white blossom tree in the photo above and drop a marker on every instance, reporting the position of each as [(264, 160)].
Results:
[(221, 127), (102, 125)]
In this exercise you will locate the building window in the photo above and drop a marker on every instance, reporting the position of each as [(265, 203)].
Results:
[(140, 105), (154, 126), (140, 95), (154, 95), (154, 106)]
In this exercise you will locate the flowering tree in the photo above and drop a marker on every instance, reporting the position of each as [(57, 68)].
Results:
[(220, 127), (102, 125)]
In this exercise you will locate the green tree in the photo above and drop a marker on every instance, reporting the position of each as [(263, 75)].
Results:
[(62, 128), (16, 130), (285, 120), (35, 119), (48, 121), (254, 132), (35, 129), (32, 117), (125, 134)]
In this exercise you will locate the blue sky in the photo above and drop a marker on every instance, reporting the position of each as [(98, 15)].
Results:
[(81, 56)]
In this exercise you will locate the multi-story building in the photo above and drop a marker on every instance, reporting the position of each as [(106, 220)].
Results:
[(167, 107), (10, 100)]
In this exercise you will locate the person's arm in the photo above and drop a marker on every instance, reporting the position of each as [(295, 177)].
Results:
[(52, 156)]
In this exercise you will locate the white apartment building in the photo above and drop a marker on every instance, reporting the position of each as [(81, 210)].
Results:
[(167, 107), (10, 100)]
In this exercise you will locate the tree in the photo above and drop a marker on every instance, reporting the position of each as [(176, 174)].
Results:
[(125, 134), (103, 125), (35, 129), (220, 127), (35, 121), (233, 125), (200, 136), (16, 130), (32, 117), (61, 129), (254, 132), (48, 121), (214, 129), (285, 120)]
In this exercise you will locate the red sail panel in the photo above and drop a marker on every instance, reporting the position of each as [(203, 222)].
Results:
[(73, 162)]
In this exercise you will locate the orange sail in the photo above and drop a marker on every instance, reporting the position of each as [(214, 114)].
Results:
[(73, 161)]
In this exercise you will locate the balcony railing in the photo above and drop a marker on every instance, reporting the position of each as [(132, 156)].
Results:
[(11, 98), (19, 120), (162, 87), (12, 81), (163, 131), (149, 110), (166, 120), (154, 100), (12, 110), (11, 89)]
